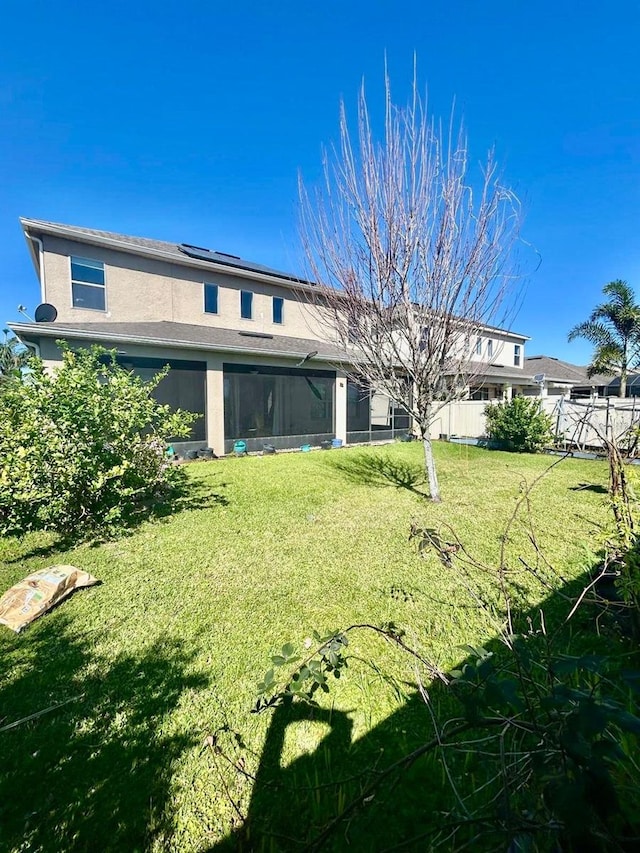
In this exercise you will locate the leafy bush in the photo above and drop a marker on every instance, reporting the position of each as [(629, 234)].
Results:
[(83, 449), (520, 424)]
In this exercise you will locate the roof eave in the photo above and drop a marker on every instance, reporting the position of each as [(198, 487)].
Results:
[(69, 232), (40, 330)]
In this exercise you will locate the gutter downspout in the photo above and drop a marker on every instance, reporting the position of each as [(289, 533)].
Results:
[(40, 265)]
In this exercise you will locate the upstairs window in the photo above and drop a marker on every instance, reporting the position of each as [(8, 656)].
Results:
[(516, 355), (278, 310), (489, 349), (246, 304), (210, 298), (87, 284), (479, 346)]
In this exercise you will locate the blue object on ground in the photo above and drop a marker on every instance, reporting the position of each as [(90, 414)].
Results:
[(240, 448), (336, 442), (305, 448)]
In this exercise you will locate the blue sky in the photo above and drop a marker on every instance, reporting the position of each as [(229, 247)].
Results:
[(189, 122)]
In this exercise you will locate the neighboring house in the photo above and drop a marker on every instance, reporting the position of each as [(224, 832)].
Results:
[(245, 343), (563, 378)]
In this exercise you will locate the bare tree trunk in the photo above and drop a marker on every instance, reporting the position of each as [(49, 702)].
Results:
[(623, 383), (413, 258), (430, 468)]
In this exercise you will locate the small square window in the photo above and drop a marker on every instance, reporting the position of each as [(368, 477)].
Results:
[(246, 304), (516, 355), (210, 298), (278, 310)]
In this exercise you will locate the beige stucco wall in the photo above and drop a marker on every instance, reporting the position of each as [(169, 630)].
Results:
[(140, 289), (503, 349)]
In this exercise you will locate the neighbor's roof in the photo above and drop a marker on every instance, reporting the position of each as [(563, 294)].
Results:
[(158, 248), (555, 369), (184, 335)]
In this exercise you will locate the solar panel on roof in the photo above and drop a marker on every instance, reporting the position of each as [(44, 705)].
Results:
[(197, 252), (230, 261), (197, 248)]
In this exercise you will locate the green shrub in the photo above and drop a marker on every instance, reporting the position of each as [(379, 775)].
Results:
[(82, 449), (519, 424)]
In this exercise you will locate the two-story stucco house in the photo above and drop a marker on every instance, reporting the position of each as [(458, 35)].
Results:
[(244, 342)]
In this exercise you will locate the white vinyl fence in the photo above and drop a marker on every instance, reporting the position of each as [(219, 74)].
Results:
[(463, 418), (588, 423), (577, 423)]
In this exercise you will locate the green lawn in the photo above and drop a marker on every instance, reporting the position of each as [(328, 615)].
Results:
[(171, 645)]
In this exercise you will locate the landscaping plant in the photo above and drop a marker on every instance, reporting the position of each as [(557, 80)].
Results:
[(82, 449), (519, 424)]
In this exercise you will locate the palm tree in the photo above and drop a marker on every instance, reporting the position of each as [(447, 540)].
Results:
[(13, 357), (614, 330)]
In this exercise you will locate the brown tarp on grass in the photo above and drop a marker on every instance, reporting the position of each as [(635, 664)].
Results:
[(39, 592)]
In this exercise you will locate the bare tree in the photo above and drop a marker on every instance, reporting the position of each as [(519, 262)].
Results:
[(413, 257)]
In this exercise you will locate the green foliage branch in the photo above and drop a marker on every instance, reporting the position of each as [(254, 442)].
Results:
[(82, 448), (14, 357), (519, 424)]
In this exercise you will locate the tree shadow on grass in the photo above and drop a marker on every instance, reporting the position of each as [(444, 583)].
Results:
[(95, 773), (187, 496), (590, 487), (379, 469), (292, 804)]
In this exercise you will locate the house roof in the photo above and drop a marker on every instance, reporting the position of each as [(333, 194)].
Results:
[(160, 248), (485, 371), (574, 374), (555, 369), (184, 335)]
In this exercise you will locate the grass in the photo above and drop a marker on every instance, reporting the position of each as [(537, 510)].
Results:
[(170, 647)]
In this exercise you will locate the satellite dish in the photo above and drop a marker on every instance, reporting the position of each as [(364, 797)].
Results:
[(46, 313), (539, 377)]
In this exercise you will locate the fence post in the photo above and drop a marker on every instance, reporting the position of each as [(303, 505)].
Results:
[(560, 408)]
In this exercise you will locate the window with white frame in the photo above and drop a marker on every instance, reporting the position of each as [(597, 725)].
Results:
[(479, 346), (246, 304), (210, 298), (516, 355), (87, 284), (489, 349), (278, 310)]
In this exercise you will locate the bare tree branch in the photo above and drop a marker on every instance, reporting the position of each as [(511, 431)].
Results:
[(414, 257)]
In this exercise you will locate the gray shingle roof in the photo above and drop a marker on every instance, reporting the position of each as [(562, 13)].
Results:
[(168, 333), (498, 372), (158, 246), (554, 368)]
